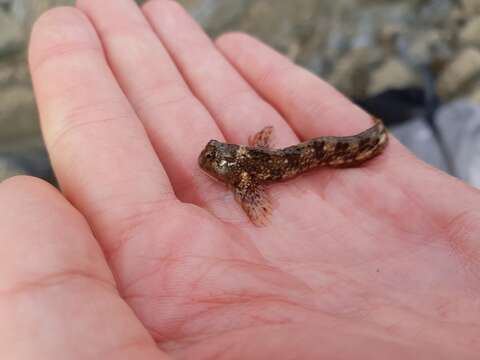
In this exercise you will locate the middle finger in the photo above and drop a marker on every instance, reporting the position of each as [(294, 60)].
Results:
[(236, 107), (177, 123)]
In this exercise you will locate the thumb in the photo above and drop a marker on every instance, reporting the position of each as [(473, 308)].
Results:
[(58, 298)]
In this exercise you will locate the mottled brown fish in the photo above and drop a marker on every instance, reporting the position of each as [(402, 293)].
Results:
[(246, 169)]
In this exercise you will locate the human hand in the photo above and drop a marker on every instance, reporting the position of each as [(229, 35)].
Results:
[(381, 261)]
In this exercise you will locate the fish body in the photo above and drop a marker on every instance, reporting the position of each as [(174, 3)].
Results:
[(247, 169)]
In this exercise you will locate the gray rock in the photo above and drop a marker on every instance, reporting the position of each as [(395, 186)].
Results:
[(14, 72), (362, 47), (352, 73), (471, 6), (286, 25), (457, 76), (394, 74), (9, 169), (11, 35), (424, 47), (6, 74), (18, 117), (459, 126), (27, 11), (470, 34), (33, 161), (459, 123), (434, 12), (215, 15), (418, 137), (474, 96)]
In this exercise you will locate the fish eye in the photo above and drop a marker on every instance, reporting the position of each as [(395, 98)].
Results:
[(209, 155)]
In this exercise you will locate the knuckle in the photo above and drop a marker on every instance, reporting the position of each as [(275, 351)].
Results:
[(154, 5)]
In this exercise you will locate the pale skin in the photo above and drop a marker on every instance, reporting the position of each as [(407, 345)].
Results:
[(144, 257)]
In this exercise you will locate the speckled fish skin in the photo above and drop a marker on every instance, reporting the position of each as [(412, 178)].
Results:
[(246, 168)]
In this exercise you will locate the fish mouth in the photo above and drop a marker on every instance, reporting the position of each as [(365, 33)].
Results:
[(201, 159), (207, 155)]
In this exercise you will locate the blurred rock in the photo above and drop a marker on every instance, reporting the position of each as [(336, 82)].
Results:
[(419, 138), (14, 71), (458, 75), (9, 169), (459, 123), (424, 47), (351, 73), (6, 74), (27, 11), (470, 34), (11, 35), (215, 15), (474, 96), (434, 12), (18, 117), (471, 6), (394, 74), (33, 161), (360, 46)]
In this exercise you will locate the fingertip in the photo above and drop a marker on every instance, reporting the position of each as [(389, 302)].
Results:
[(56, 31), (245, 51), (237, 43), (25, 185), (56, 14), (26, 192), (169, 14), (233, 38), (169, 4), (242, 48)]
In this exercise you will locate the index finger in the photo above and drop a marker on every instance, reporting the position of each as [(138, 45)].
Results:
[(100, 151)]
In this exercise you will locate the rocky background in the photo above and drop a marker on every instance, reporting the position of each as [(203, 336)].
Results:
[(363, 47)]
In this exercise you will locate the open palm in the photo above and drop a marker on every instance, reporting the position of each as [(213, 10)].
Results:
[(381, 261)]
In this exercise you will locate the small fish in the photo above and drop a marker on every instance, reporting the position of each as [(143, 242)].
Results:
[(247, 169)]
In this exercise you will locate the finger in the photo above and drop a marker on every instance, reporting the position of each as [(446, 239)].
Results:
[(311, 106), (179, 126), (55, 285), (235, 106), (100, 151), (314, 108)]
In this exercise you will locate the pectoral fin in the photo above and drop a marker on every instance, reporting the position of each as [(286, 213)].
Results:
[(262, 139), (255, 202)]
